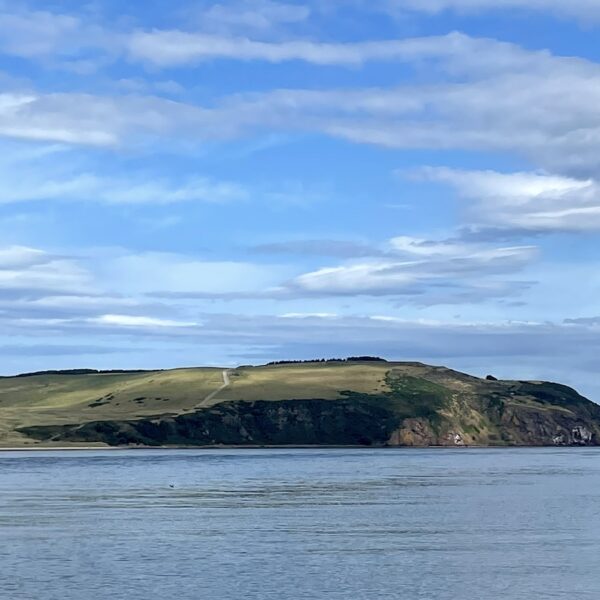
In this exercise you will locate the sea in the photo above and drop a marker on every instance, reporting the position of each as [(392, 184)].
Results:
[(310, 524)]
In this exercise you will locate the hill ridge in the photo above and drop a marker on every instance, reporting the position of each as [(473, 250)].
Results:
[(366, 402)]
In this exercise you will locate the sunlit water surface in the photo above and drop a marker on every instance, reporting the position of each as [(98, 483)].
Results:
[(300, 524)]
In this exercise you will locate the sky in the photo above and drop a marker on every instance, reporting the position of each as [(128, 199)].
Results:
[(222, 183)]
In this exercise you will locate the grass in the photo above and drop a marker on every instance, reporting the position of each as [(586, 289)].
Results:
[(409, 389), (62, 399), (58, 399), (306, 381), (414, 396)]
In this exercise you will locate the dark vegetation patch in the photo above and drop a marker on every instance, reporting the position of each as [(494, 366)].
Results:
[(102, 401), (553, 393), (81, 372), (288, 422), (97, 403), (494, 403), (329, 360), (413, 397), (472, 429)]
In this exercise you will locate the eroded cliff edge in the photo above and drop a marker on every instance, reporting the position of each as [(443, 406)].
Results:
[(440, 408)]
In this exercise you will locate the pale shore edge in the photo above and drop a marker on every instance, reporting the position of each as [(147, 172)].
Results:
[(14, 449)]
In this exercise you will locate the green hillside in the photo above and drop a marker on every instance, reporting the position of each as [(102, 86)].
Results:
[(53, 399), (366, 402)]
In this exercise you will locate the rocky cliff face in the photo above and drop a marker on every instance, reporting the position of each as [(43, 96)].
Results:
[(409, 404), (525, 414), (290, 422)]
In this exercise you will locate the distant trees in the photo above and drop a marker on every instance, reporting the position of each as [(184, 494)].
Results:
[(301, 362), (328, 360), (81, 372)]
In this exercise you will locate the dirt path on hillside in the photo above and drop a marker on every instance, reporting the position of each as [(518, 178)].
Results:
[(209, 398)]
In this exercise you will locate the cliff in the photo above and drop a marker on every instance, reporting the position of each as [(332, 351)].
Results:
[(384, 404)]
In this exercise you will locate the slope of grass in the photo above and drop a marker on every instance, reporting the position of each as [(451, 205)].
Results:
[(306, 381), (59, 399), (405, 390)]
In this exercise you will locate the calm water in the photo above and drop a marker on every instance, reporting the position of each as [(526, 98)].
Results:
[(291, 524)]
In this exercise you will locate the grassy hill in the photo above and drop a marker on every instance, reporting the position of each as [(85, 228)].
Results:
[(55, 399), (370, 402)]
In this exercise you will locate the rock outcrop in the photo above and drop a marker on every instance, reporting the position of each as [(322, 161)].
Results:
[(419, 406)]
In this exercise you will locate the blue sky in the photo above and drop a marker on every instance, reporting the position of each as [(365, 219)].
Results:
[(190, 183)]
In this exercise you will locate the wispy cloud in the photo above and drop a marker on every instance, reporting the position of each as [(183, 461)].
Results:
[(508, 99), (433, 272), (490, 96), (32, 34), (139, 321), (526, 201), (22, 257), (58, 173), (336, 248), (260, 16), (99, 120), (32, 273), (75, 42), (579, 9), (88, 187), (175, 47)]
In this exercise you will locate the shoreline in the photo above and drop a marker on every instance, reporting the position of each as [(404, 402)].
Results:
[(13, 449)]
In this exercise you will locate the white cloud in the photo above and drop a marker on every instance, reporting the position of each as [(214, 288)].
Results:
[(166, 48), (50, 118), (55, 172), (581, 9), (111, 284), (425, 273), (79, 43), (512, 187), (487, 96), (137, 321), (71, 42), (528, 201), (28, 272), (35, 33), (19, 257), (550, 116), (433, 272), (109, 190), (251, 15), (362, 278), (83, 43), (102, 120), (320, 315), (118, 288)]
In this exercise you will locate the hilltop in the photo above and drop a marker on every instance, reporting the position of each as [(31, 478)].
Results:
[(358, 401)]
